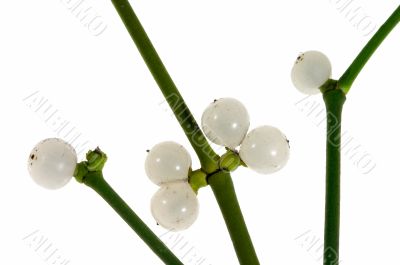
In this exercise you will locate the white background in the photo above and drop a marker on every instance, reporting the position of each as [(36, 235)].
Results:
[(213, 49)]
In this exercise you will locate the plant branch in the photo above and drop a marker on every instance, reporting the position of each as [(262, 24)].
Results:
[(224, 191), (220, 182), (90, 173), (96, 181), (208, 158), (362, 58), (334, 100)]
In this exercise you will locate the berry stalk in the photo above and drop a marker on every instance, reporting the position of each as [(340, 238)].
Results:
[(224, 191), (347, 79), (208, 158), (334, 100), (96, 181)]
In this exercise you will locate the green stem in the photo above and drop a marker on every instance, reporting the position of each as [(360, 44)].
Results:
[(224, 191), (96, 181), (222, 186), (208, 158), (362, 58), (334, 100)]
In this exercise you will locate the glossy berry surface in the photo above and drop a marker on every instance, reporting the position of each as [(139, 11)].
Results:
[(166, 162), (265, 150), (310, 71), (225, 122), (52, 162), (175, 206)]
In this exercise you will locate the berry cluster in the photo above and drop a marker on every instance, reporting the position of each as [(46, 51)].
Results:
[(174, 206), (225, 122), (264, 149)]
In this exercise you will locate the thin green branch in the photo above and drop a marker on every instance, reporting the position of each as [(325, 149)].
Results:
[(90, 173), (347, 79), (96, 181), (208, 158), (224, 191), (334, 100)]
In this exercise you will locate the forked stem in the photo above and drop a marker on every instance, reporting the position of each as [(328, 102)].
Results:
[(222, 185)]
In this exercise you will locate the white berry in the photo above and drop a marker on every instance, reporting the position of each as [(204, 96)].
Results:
[(310, 71), (52, 162), (225, 122), (166, 162), (265, 150), (175, 206)]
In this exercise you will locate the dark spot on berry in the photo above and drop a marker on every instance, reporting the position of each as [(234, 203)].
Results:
[(147, 150), (157, 223), (300, 58), (215, 100), (32, 156)]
